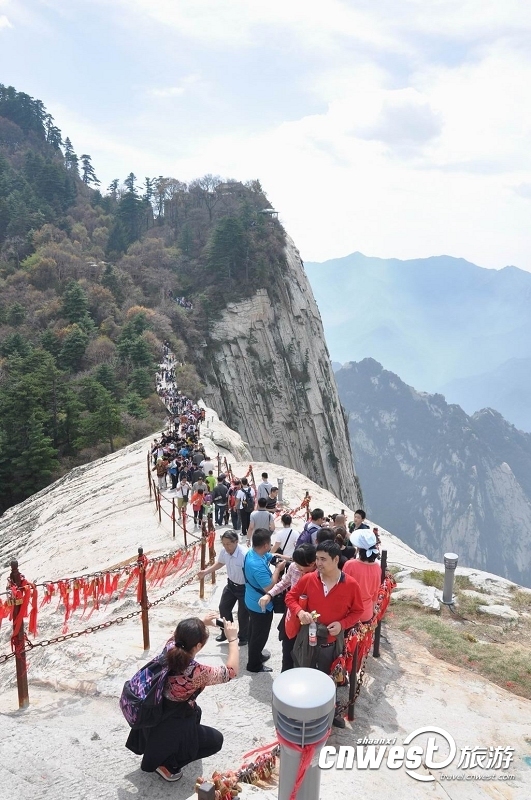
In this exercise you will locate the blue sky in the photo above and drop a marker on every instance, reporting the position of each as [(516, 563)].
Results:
[(397, 129)]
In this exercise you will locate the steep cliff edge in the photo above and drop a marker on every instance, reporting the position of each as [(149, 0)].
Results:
[(270, 378)]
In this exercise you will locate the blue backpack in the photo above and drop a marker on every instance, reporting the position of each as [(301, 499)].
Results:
[(141, 698)]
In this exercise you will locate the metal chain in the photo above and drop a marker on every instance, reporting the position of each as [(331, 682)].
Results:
[(92, 629)]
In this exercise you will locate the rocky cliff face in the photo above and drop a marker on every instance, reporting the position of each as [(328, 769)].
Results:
[(441, 480), (269, 377)]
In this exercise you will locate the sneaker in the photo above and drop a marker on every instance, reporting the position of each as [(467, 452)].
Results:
[(169, 776), (338, 722)]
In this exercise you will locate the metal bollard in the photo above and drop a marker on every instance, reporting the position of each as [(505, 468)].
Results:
[(303, 710), (450, 563), (280, 484)]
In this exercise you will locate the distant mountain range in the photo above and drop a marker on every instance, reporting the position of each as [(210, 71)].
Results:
[(442, 323), (439, 479)]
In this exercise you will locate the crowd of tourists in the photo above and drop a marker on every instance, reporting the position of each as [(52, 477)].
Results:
[(321, 579)]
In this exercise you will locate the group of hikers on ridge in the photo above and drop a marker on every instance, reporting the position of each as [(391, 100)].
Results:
[(320, 580)]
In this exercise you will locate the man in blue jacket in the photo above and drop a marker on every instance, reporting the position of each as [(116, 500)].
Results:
[(258, 581)]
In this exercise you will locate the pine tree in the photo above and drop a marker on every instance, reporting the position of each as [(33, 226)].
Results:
[(141, 382), (71, 160), (105, 375), (134, 405), (103, 424), (109, 279), (73, 349), (226, 248), (36, 454), (75, 302), (88, 173)]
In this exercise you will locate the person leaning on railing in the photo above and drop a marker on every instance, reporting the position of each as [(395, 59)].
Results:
[(180, 738)]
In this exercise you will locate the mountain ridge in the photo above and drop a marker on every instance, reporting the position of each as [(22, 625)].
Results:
[(442, 480)]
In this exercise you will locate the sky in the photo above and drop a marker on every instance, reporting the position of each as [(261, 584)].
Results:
[(398, 129)]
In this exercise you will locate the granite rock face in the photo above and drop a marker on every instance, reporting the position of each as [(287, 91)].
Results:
[(442, 480), (270, 378)]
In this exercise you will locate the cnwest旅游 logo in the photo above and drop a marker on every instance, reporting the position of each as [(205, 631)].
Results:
[(430, 747)]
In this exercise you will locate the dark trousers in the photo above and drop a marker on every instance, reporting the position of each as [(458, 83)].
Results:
[(245, 517), (160, 742), (174, 479), (287, 645), (234, 593), (220, 513), (235, 520), (259, 627), (198, 515)]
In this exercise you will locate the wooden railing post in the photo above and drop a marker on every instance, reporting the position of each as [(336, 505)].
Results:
[(378, 631), (173, 515), (219, 464), (159, 496), (211, 547), (144, 603), (149, 474), (353, 684), (307, 494), (18, 640), (203, 559), (183, 509)]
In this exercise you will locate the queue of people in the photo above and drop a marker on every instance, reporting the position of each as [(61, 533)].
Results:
[(325, 576)]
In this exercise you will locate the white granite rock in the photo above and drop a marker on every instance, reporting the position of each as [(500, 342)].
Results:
[(504, 612)]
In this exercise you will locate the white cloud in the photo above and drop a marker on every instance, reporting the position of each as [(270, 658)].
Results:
[(4, 22), (422, 141), (176, 91)]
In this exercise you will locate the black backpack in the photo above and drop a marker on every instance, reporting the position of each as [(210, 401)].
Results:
[(248, 503)]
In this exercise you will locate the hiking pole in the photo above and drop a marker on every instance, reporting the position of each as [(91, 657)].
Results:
[(378, 631)]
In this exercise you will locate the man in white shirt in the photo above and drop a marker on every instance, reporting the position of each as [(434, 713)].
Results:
[(232, 556), (284, 539), (182, 493)]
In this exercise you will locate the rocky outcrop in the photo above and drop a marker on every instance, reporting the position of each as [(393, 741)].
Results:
[(269, 377), (442, 480)]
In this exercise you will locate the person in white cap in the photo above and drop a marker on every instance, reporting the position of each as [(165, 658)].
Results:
[(365, 569)]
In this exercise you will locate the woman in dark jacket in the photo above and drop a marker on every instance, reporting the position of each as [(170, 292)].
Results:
[(180, 738)]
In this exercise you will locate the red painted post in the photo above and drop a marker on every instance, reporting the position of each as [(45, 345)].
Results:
[(17, 580), (159, 495), (144, 603), (307, 494)]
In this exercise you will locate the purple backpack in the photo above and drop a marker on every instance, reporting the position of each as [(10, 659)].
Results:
[(141, 698)]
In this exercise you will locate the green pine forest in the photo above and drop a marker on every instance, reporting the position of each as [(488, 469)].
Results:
[(88, 286)]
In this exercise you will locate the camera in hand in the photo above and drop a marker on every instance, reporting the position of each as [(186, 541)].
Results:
[(220, 623), (275, 560)]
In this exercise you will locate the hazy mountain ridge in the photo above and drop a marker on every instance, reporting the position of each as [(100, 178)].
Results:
[(438, 322), (442, 480)]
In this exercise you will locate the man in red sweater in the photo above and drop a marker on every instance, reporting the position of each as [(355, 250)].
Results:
[(336, 597)]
